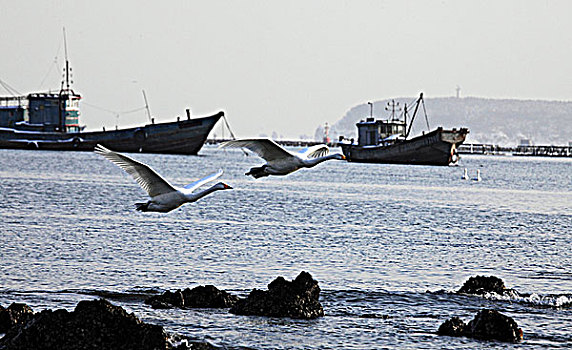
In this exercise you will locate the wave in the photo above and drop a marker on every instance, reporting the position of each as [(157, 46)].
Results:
[(550, 300), (133, 294), (557, 301)]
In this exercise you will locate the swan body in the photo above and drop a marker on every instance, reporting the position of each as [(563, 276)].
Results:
[(465, 175), (164, 196), (280, 161), (478, 177)]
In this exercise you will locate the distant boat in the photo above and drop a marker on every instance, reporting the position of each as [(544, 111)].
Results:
[(386, 141), (50, 121)]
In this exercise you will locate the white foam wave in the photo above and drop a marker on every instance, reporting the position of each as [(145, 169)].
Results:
[(564, 300)]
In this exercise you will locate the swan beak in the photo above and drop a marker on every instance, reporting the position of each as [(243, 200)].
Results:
[(343, 157), (227, 187)]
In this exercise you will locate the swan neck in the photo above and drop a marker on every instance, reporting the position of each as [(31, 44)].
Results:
[(198, 195), (315, 161)]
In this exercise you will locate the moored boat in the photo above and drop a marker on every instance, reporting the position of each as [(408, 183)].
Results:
[(50, 121), (178, 137), (387, 141)]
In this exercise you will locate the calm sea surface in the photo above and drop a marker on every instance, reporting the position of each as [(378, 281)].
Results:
[(390, 240)]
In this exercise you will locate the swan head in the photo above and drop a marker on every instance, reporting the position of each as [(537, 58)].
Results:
[(222, 186), (339, 156)]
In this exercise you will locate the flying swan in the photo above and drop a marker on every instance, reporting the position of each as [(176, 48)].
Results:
[(164, 196), (280, 161)]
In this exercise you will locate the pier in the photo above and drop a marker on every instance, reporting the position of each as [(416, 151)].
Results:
[(537, 151), (286, 143)]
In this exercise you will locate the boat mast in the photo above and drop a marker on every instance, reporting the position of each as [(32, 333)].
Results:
[(414, 114), (405, 116), (392, 106), (64, 93), (147, 106), (67, 69)]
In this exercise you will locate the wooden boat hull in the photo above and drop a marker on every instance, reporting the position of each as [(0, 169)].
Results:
[(180, 137), (435, 148)]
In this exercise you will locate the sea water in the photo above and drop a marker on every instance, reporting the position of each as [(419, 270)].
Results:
[(386, 240)]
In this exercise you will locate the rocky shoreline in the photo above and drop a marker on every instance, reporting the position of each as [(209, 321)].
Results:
[(97, 324)]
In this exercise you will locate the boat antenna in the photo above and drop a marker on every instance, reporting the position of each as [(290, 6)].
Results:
[(147, 106), (67, 69), (393, 106)]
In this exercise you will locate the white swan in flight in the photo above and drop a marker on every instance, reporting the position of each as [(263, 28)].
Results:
[(280, 161), (164, 196)]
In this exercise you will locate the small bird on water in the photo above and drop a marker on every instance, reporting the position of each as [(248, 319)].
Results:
[(164, 196), (280, 161), (478, 178), (465, 175)]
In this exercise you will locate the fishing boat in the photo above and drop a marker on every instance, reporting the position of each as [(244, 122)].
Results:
[(387, 141), (50, 121)]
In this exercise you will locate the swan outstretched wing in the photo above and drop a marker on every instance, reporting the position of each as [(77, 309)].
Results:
[(193, 186), (314, 151), (145, 176), (265, 148)]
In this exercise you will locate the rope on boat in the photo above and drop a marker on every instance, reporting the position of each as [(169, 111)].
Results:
[(231, 133)]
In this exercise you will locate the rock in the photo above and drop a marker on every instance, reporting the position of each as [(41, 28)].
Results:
[(487, 324), (453, 327), (208, 297), (296, 299), (199, 297), (15, 314), (94, 324), (491, 324), (481, 285), (167, 300)]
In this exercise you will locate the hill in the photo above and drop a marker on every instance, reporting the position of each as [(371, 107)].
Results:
[(493, 121)]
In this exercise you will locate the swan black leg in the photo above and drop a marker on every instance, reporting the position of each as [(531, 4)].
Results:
[(143, 206), (258, 172)]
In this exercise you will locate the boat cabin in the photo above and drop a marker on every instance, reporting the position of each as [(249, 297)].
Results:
[(11, 111), (371, 132), (41, 111), (59, 112)]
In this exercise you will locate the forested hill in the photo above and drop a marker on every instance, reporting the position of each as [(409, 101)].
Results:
[(493, 121)]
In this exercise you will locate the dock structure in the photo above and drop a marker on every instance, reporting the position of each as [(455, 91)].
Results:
[(528, 150), (286, 143), (543, 151)]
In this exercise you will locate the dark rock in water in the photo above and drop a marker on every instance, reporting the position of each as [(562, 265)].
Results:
[(487, 324), (94, 324), (167, 300), (480, 285), (491, 324), (199, 297), (453, 327), (296, 299), (208, 297), (15, 314)]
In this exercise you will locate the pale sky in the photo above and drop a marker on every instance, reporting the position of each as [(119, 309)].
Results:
[(283, 66)]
